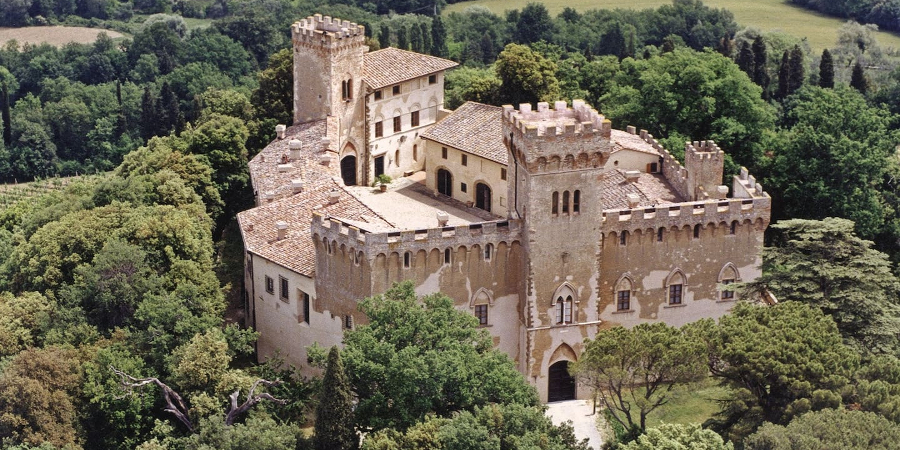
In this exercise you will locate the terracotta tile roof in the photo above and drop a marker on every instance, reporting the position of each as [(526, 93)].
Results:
[(474, 128), (265, 175), (296, 252), (653, 189), (623, 140), (392, 65)]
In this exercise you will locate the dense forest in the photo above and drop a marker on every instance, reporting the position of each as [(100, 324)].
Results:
[(114, 292)]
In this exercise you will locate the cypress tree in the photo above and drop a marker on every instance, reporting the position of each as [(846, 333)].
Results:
[(726, 48), (5, 115), (760, 62), (149, 120), (426, 37), (745, 59), (415, 38), (438, 38), (169, 112), (121, 121), (784, 75), (858, 79), (826, 70), (334, 415), (796, 69), (384, 36), (403, 38), (487, 49)]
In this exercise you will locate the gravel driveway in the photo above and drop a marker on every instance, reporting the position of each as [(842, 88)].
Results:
[(579, 412)]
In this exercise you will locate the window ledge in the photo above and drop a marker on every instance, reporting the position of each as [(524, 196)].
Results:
[(680, 305), (729, 300), (486, 326), (623, 311)]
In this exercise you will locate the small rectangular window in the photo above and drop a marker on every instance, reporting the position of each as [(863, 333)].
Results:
[(465, 160), (659, 234), (623, 238), (379, 129), (414, 119), (675, 294), (624, 303), (444, 152), (488, 250), (415, 152), (378, 94), (576, 202), (463, 187), (727, 294), (407, 259), (432, 79), (565, 205), (481, 312), (348, 322), (554, 208), (304, 299), (447, 256), (270, 285), (396, 124), (395, 90), (283, 292), (502, 173)]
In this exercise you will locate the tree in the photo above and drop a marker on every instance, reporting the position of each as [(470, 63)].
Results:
[(403, 37), (438, 38), (670, 435), (471, 84), (526, 75), (829, 428), (168, 112), (797, 70), (24, 319), (384, 35), (784, 76), (819, 262), (416, 40), (779, 361), (418, 358), (760, 65), (745, 59), (334, 413), (149, 120), (426, 37), (274, 99), (726, 46), (858, 79), (534, 25), (633, 370), (826, 70), (5, 116)]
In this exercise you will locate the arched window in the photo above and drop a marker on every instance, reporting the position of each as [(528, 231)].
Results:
[(623, 295), (697, 231), (565, 202), (727, 275), (480, 302), (415, 152), (576, 202), (397, 157), (734, 227), (564, 304), (446, 256), (554, 208), (567, 310), (488, 250), (623, 238), (675, 288), (407, 260), (659, 234)]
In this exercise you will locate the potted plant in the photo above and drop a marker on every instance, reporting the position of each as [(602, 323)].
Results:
[(383, 181)]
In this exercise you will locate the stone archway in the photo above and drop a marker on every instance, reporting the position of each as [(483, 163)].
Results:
[(445, 182), (483, 197), (348, 170), (560, 385)]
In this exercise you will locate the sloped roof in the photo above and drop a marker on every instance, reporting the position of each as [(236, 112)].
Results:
[(474, 128), (267, 178), (296, 252), (392, 65), (653, 189), (623, 140)]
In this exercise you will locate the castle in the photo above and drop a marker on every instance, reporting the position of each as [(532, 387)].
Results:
[(543, 222)]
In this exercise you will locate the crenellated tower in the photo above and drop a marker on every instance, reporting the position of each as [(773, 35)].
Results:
[(556, 158), (328, 75)]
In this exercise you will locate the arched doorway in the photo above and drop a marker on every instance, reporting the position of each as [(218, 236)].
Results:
[(348, 170), (445, 182), (483, 196), (561, 385)]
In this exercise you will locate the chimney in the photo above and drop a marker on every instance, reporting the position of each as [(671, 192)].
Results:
[(295, 146), (325, 158), (633, 200), (282, 168), (280, 130), (631, 129), (281, 226), (297, 186), (326, 142), (443, 218), (632, 176), (722, 192), (334, 196)]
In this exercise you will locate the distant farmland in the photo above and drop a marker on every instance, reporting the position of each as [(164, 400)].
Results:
[(767, 15), (56, 36)]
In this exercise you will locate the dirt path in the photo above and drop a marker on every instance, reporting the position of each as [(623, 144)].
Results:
[(579, 412), (54, 35)]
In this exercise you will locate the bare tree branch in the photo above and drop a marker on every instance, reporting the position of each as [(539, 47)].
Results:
[(252, 399), (174, 403)]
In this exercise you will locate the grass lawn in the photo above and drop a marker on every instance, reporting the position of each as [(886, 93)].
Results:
[(767, 15), (55, 35), (689, 404), (192, 24)]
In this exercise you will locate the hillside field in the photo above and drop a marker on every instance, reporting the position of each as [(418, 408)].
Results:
[(767, 15), (56, 35)]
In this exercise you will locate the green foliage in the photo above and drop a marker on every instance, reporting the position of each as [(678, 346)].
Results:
[(494, 427), (858, 79), (633, 370), (526, 76), (23, 321), (780, 362), (257, 433), (413, 359), (674, 436), (201, 364), (334, 414), (829, 428), (534, 24), (826, 70), (274, 99), (692, 95), (819, 263), (471, 84)]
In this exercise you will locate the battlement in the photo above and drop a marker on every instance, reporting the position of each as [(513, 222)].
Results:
[(703, 150), (326, 31), (561, 138), (372, 244), (689, 214)]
